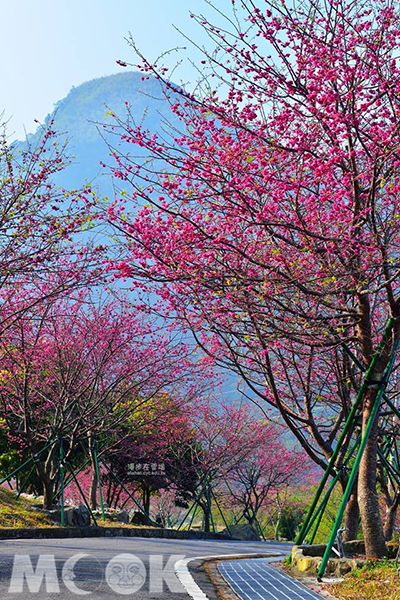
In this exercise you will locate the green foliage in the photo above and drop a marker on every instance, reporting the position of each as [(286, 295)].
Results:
[(18, 513), (290, 521), (288, 561), (377, 580)]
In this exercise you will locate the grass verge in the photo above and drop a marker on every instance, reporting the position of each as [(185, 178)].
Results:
[(374, 581), (18, 513)]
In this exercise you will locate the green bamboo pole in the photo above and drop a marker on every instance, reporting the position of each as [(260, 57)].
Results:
[(360, 453), (96, 463), (62, 473), (349, 422)]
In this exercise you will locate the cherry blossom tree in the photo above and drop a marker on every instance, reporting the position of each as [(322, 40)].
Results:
[(270, 222), (225, 435), (76, 371), (43, 247), (258, 479), (154, 439)]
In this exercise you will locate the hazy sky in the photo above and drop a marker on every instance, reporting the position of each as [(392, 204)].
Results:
[(48, 46)]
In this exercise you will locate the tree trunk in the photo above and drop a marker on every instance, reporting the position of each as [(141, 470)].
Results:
[(206, 516), (374, 538), (351, 516), (116, 502), (391, 519), (277, 525), (47, 493), (146, 504), (93, 490)]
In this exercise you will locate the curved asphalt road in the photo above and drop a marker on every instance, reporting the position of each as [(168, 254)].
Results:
[(93, 574)]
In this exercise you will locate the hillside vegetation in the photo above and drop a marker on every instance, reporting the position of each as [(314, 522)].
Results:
[(18, 513), (78, 118)]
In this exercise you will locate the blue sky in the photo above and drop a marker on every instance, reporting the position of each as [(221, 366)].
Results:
[(48, 46)]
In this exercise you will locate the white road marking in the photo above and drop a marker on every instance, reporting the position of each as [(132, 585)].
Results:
[(187, 581)]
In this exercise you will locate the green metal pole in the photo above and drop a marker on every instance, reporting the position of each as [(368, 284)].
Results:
[(24, 464), (10, 475), (96, 463), (21, 489), (70, 478), (127, 491), (362, 368), (320, 512), (393, 407), (321, 509), (196, 500), (62, 474), (260, 531), (195, 506), (82, 494), (349, 422), (389, 468), (356, 465), (221, 513)]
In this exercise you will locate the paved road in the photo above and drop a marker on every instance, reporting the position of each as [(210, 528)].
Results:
[(106, 568)]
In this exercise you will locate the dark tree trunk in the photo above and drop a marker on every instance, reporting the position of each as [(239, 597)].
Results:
[(391, 519), (93, 490), (352, 516), (146, 504), (48, 489), (205, 507), (374, 538)]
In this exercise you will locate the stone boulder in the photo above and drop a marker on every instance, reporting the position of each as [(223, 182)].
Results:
[(246, 533), (136, 517), (123, 517), (81, 516)]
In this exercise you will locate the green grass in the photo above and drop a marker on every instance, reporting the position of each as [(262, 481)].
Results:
[(18, 513), (374, 581)]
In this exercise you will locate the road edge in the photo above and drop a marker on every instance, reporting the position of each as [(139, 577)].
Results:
[(221, 588)]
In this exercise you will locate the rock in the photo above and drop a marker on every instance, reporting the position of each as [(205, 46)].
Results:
[(54, 515), (69, 516), (305, 560), (343, 566), (243, 532), (137, 518), (123, 517), (81, 516)]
